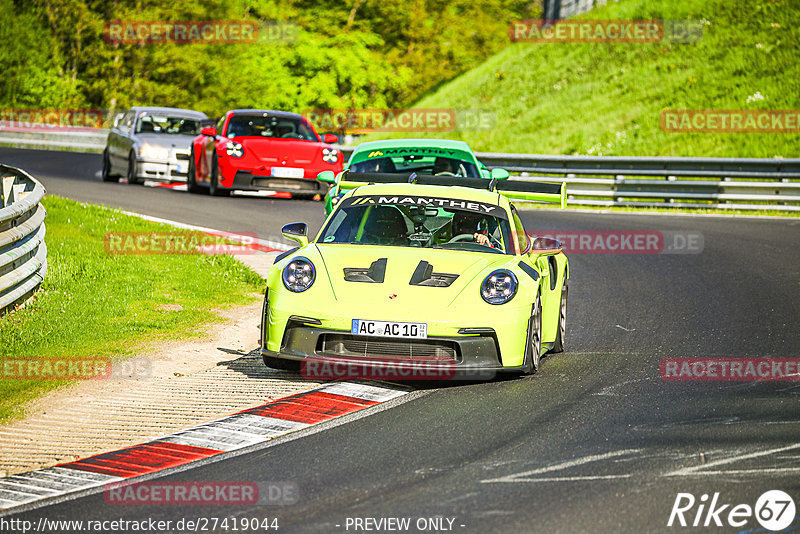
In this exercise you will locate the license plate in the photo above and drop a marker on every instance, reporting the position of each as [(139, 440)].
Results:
[(362, 327), (287, 172)]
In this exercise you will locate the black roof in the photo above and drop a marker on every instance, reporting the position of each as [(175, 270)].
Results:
[(270, 112)]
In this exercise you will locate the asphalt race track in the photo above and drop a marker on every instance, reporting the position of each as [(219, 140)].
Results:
[(595, 442)]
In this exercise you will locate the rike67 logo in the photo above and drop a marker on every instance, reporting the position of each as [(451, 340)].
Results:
[(774, 510)]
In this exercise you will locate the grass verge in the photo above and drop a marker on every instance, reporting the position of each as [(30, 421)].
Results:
[(606, 98), (95, 304)]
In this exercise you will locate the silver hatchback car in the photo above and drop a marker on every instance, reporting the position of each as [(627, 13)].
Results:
[(151, 143)]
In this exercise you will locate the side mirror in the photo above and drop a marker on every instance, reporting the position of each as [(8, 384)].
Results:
[(499, 174), (209, 131), (330, 138), (117, 118), (327, 176), (296, 232), (546, 246)]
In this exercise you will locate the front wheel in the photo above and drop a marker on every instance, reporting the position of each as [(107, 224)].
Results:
[(558, 344), (132, 177), (105, 174), (533, 346), (214, 189), (191, 176)]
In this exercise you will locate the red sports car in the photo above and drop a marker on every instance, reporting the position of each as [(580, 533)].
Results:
[(252, 149)]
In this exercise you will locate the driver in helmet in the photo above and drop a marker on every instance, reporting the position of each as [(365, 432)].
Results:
[(465, 223)]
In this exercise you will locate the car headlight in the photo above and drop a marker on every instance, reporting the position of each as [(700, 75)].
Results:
[(234, 150), (330, 155), (499, 287), (148, 151), (299, 274)]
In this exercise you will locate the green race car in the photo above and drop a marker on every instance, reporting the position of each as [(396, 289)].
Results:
[(439, 157), (420, 268)]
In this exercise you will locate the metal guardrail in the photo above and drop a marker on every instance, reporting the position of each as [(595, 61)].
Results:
[(716, 183), (732, 183), (44, 136), (23, 253), (724, 183)]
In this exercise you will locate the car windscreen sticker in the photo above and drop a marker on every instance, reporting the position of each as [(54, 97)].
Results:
[(412, 151), (434, 202)]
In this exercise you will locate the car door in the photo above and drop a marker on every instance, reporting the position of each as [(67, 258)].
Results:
[(112, 141), (209, 145), (119, 142)]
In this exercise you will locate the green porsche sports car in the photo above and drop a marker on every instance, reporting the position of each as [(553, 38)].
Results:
[(414, 268), (440, 157)]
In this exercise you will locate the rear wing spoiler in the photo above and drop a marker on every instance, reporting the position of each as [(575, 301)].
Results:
[(511, 189)]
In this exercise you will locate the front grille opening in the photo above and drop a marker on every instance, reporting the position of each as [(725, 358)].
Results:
[(348, 346), (286, 184)]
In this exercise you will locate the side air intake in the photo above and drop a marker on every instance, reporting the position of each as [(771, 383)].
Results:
[(424, 276), (372, 275)]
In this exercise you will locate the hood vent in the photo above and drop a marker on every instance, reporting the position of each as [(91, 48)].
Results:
[(424, 276), (374, 275)]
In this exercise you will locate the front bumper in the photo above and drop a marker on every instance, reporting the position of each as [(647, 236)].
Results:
[(474, 355), (247, 181), (175, 169)]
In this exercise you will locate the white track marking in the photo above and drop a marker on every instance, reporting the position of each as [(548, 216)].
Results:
[(754, 471), (696, 470), (257, 425), (243, 430), (609, 390), (227, 434), (363, 391), (578, 478), (213, 437), (522, 477), (626, 329), (175, 186), (212, 231), (35, 485)]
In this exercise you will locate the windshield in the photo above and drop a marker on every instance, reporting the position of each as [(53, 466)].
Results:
[(421, 164), (424, 222), (160, 124), (268, 126)]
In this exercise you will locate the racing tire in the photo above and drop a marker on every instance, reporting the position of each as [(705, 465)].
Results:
[(132, 178), (191, 176), (561, 331), (105, 174), (281, 364), (533, 344), (214, 189)]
